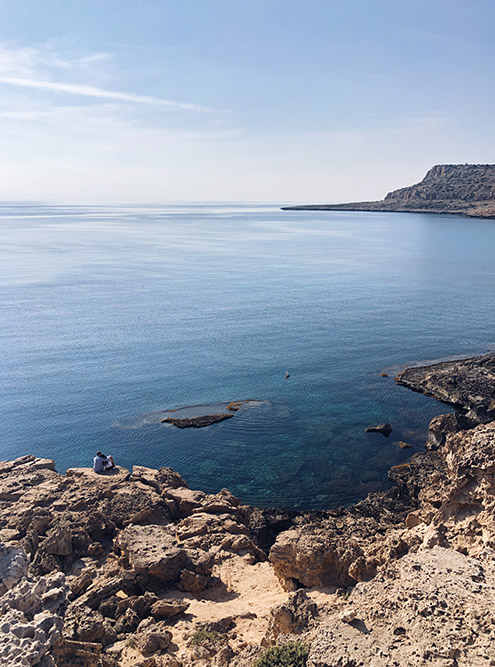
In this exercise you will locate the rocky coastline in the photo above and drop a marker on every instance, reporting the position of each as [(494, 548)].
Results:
[(137, 569), (457, 189)]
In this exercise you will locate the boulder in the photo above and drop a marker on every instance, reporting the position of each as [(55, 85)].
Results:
[(58, 541), (193, 582), (310, 556), (291, 617), (404, 445), (154, 640), (385, 429), (152, 552), (87, 625), (168, 608), (71, 653)]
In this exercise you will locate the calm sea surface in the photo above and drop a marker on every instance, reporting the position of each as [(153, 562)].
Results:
[(109, 314)]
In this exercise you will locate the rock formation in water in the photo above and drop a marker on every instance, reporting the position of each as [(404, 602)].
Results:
[(465, 189), (138, 569), (195, 422), (466, 384)]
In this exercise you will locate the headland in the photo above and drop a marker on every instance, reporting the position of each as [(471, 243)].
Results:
[(138, 569), (459, 189)]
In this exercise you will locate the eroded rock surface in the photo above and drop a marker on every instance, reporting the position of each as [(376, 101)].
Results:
[(467, 385), (431, 607), (31, 618)]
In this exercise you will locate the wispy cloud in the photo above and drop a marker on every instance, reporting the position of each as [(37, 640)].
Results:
[(93, 91), (378, 76), (41, 68), (370, 75)]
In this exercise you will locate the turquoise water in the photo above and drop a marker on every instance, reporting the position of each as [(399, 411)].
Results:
[(110, 314)]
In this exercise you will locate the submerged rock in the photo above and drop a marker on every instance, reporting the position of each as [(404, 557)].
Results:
[(200, 416), (404, 445), (196, 422)]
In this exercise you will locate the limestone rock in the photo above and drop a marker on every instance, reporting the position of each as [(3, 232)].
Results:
[(196, 422), (87, 625), (70, 653), (313, 557), (168, 608), (193, 582), (184, 501), (247, 657), (434, 606), (442, 425), (31, 615), (58, 541), (467, 189), (468, 384), (154, 640), (13, 566), (266, 524), (151, 551), (291, 617)]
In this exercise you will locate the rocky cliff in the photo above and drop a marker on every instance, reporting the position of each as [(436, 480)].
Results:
[(467, 189), (122, 569)]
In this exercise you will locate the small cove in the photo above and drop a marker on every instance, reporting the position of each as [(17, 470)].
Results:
[(112, 313)]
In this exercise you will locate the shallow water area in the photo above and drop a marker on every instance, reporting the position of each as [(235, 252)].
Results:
[(112, 314), (192, 411)]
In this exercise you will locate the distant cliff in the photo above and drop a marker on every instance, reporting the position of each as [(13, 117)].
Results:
[(466, 189)]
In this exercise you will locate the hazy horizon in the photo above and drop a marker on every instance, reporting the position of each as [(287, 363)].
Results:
[(156, 101)]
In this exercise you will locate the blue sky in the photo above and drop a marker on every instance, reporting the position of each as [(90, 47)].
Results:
[(266, 100)]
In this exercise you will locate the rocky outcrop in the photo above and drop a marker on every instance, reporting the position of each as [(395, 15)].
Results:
[(431, 607), (467, 385), (13, 566), (31, 613), (451, 182), (342, 546), (200, 416), (466, 189), (133, 549)]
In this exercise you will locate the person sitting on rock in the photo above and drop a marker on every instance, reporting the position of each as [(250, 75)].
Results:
[(102, 463)]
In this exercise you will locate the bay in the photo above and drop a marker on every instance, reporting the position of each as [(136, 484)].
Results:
[(112, 313)]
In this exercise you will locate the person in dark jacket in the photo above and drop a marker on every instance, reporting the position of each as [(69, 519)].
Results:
[(102, 463)]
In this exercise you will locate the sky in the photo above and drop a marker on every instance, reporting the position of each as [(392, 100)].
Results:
[(284, 101)]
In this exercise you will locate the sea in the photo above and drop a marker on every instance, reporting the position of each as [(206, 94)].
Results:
[(112, 314)]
